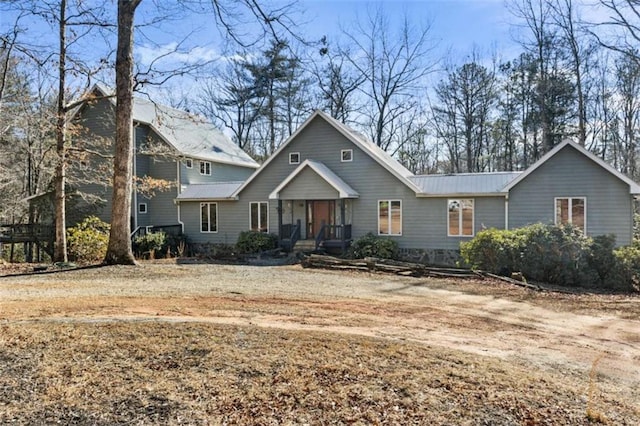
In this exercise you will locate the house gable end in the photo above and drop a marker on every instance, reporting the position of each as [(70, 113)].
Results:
[(634, 188)]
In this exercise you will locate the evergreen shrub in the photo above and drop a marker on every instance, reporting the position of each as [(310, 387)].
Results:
[(87, 241), (250, 242), (370, 245)]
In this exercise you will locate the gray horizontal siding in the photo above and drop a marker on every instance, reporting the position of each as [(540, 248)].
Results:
[(570, 174), (219, 173), (424, 219), (308, 185)]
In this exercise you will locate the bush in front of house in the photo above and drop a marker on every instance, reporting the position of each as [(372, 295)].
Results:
[(250, 242), (494, 250), (370, 245), (152, 244), (87, 241), (626, 274), (560, 255)]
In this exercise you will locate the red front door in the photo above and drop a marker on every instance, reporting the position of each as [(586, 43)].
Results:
[(319, 212)]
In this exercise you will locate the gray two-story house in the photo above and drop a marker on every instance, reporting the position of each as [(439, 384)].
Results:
[(338, 186), (173, 149)]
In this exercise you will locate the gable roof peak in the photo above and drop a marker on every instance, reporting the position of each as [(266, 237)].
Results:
[(634, 188)]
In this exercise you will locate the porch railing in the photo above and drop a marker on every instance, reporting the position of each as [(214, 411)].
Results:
[(341, 233), (290, 234), (167, 229)]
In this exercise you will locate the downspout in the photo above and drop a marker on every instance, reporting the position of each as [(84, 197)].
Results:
[(179, 180), (506, 211)]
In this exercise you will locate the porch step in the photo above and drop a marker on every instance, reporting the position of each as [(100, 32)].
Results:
[(304, 246)]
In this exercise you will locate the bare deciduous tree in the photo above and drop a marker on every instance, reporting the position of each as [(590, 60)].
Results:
[(394, 67)]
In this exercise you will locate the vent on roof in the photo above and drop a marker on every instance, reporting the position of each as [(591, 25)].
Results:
[(216, 149)]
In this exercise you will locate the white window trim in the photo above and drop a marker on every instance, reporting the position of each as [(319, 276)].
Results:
[(259, 224), (473, 218), (291, 154), (344, 151), (140, 208), (209, 212), (570, 216), (188, 163), (205, 163), (389, 234)]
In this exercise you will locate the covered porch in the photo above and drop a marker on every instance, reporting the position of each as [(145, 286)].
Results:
[(314, 210)]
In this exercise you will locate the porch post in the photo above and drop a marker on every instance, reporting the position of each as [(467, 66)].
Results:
[(279, 221), (342, 219)]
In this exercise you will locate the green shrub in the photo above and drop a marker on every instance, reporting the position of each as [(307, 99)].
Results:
[(494, 250), (256, 242), (153, 243), (560, 255), (88, 240), (602, 258), (557, 255), (371, 245), (626, 273)]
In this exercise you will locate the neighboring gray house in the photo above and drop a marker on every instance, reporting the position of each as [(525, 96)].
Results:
[(339, 186), (170, 145)]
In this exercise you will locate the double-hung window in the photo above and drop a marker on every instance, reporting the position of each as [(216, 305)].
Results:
[(205, 168), (460, 220), (259, 216), (208, 217), (572, 211), (390, 217)]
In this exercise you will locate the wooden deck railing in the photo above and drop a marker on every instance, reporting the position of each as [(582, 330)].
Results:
[(167, 229), (26, 232)]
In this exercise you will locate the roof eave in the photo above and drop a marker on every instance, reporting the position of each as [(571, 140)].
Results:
[(462, 194), (181, 200)]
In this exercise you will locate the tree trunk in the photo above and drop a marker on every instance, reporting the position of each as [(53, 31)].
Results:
[(60, 247), (119, 248)]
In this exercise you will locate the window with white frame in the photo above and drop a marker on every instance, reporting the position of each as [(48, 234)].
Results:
[(205, 168), (188, 163), (142, 208), (346, 155), (294, 158), (259, 216), (390, 217), (572, 210), (460, 217), (208, 217)]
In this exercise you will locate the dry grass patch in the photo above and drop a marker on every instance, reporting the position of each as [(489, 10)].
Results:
[(148, 372)]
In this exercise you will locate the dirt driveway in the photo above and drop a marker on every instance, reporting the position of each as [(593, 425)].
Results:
[(583, 333)]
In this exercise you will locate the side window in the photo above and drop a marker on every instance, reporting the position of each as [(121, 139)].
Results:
[(205, 168), (259, 216), (294, 158), (346, 155), (188, 163), (460, 218), (208, 217), (572, 211), (389, 217), (142, 208)]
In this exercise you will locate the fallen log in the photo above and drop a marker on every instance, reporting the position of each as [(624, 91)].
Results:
[(387, 266), (373, 264)]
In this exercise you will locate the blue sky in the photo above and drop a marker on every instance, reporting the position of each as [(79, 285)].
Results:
[(459, 25)]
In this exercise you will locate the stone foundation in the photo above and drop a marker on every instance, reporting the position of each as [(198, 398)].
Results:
[(434, 257)]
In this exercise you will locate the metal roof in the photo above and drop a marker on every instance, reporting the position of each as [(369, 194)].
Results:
[(191, 135), (209, 191), (464, 183)]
